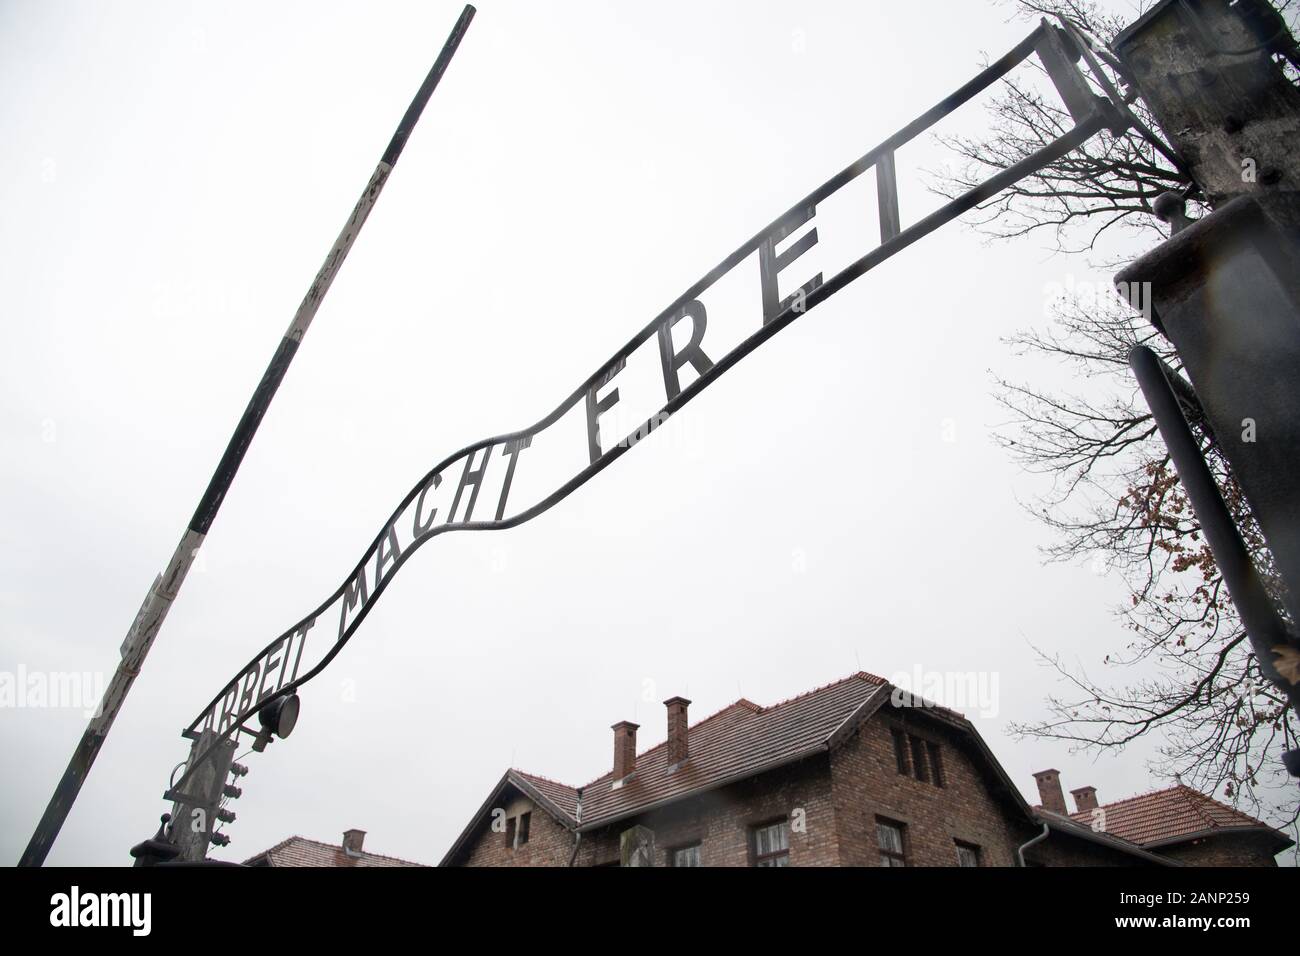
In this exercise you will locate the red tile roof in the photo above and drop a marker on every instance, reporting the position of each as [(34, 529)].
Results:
[(741, 741), (298, 851), (563, 797), (1164, 816), (737, 742)]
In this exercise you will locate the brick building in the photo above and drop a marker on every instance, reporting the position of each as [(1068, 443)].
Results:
[(851, 774), (1184, 825)]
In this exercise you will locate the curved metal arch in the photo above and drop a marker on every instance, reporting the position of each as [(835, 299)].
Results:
[(1086, 126)]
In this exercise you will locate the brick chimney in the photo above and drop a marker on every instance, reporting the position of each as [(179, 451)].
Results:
[(1049, 791), (1085, 799), (677, 748), (624, 748), (352, 841)]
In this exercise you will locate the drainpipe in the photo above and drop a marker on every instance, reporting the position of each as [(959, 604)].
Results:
[(577, 832), (1020, 851)]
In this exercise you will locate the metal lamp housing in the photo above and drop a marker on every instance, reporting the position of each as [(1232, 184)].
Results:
[(279, 716)]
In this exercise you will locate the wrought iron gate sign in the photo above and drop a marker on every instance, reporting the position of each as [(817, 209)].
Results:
[(490, 485)]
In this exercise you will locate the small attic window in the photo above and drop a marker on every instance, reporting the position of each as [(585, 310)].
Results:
[(936, 763), (919, 768), (900, 751)]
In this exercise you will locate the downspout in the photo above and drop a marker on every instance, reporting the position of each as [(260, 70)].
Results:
[(577, 830), (1020, 850)]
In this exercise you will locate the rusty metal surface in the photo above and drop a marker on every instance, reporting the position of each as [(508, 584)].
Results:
[(1231, 113), (1263, 625), (159, 598)]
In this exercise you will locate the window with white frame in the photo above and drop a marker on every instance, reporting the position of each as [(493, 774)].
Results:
[(687, 855), (968, 854), (889, 834), (772, 844)]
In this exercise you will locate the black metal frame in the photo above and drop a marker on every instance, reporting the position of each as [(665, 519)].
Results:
[(1168, 395), (1057, 51)]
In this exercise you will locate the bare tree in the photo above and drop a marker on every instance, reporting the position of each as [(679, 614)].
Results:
[(1186, 675), (1110, 181)]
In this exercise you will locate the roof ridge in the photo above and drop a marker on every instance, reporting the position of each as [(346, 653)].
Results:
[(1195, 801), (538, 776), (1142, 796), (387, 856), (856, 675), (304, 839), (744, 702), (747, 704), (279, 846), (1195, 796), (1197, 806), (339, 847), (739, 702)]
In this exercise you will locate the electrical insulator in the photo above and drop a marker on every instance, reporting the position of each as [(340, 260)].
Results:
[(238, 770), (220, 839), (231, 791), (226, 816)]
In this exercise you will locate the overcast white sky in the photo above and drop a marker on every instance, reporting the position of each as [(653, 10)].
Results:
[(172, 177)]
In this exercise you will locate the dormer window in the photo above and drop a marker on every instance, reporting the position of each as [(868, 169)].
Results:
[(917, 757), (919, 766)]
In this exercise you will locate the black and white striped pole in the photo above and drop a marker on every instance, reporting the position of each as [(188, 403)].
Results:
[(165, 588)]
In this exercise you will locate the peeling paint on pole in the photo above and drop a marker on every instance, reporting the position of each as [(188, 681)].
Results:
[(158, 601)]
